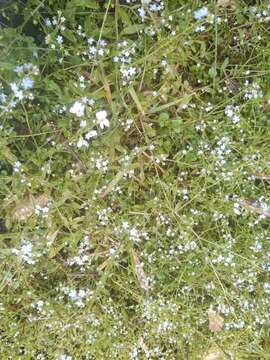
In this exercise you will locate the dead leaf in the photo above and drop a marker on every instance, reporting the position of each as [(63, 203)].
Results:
[(252, 205), (24, 209), (214, 355), (215, 321), (262, 177), (232, 85), (41, 200), (227, 3), (141, 276)]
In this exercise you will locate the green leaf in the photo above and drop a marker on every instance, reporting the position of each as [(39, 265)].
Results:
[(124, 16), (176, 124), (225, 63), (51, 86), (132, 29), (150, 131), (92, 4), (68, 34), (163, 119), (212, 72)]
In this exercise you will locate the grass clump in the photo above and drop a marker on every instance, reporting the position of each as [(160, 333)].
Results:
[(134, 180)]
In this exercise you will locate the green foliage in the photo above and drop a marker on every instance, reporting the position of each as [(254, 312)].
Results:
[(134, 179)]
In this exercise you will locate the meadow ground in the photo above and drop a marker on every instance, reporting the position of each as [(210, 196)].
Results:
[(135, 179)]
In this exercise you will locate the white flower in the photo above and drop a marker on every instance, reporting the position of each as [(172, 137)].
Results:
[(82, 143), (101, 117), (77, 109), (83, 123), (48, 22), (25, 253), (142, 13), (200, 28), (17, 166), (27, 83), (59, 39), (17, 93), (65, 357), (200, 13), (90, 134)]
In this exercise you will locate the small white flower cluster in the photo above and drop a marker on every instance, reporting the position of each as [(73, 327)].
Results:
[(184, 193), (127, 124), (247, 279), (78, 297), (132, 232), (40, 356), (58, 21), (252, 91), (38, 305), (165, 326), (237, 208), (183, 248), (218, 216), (43, 211), (240, 324), (82, 82), (201, 126), (58, 41), (101, 164), (156, 309), (54, 39), (221, 150), (27, 68), (170, 232), (96, 49), (103, 216), (82, 259), (258, 246), (17, 166), (26, 253), (64, 357), (203, 148), (41, 311), (226, 260), (80, 31), (208, 107), (124, 58), (20, 88), (101, 120), (161, 159), (266, 287), (232, 112), (163, 219), (150, 6), (136, 235), (165, 23)]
